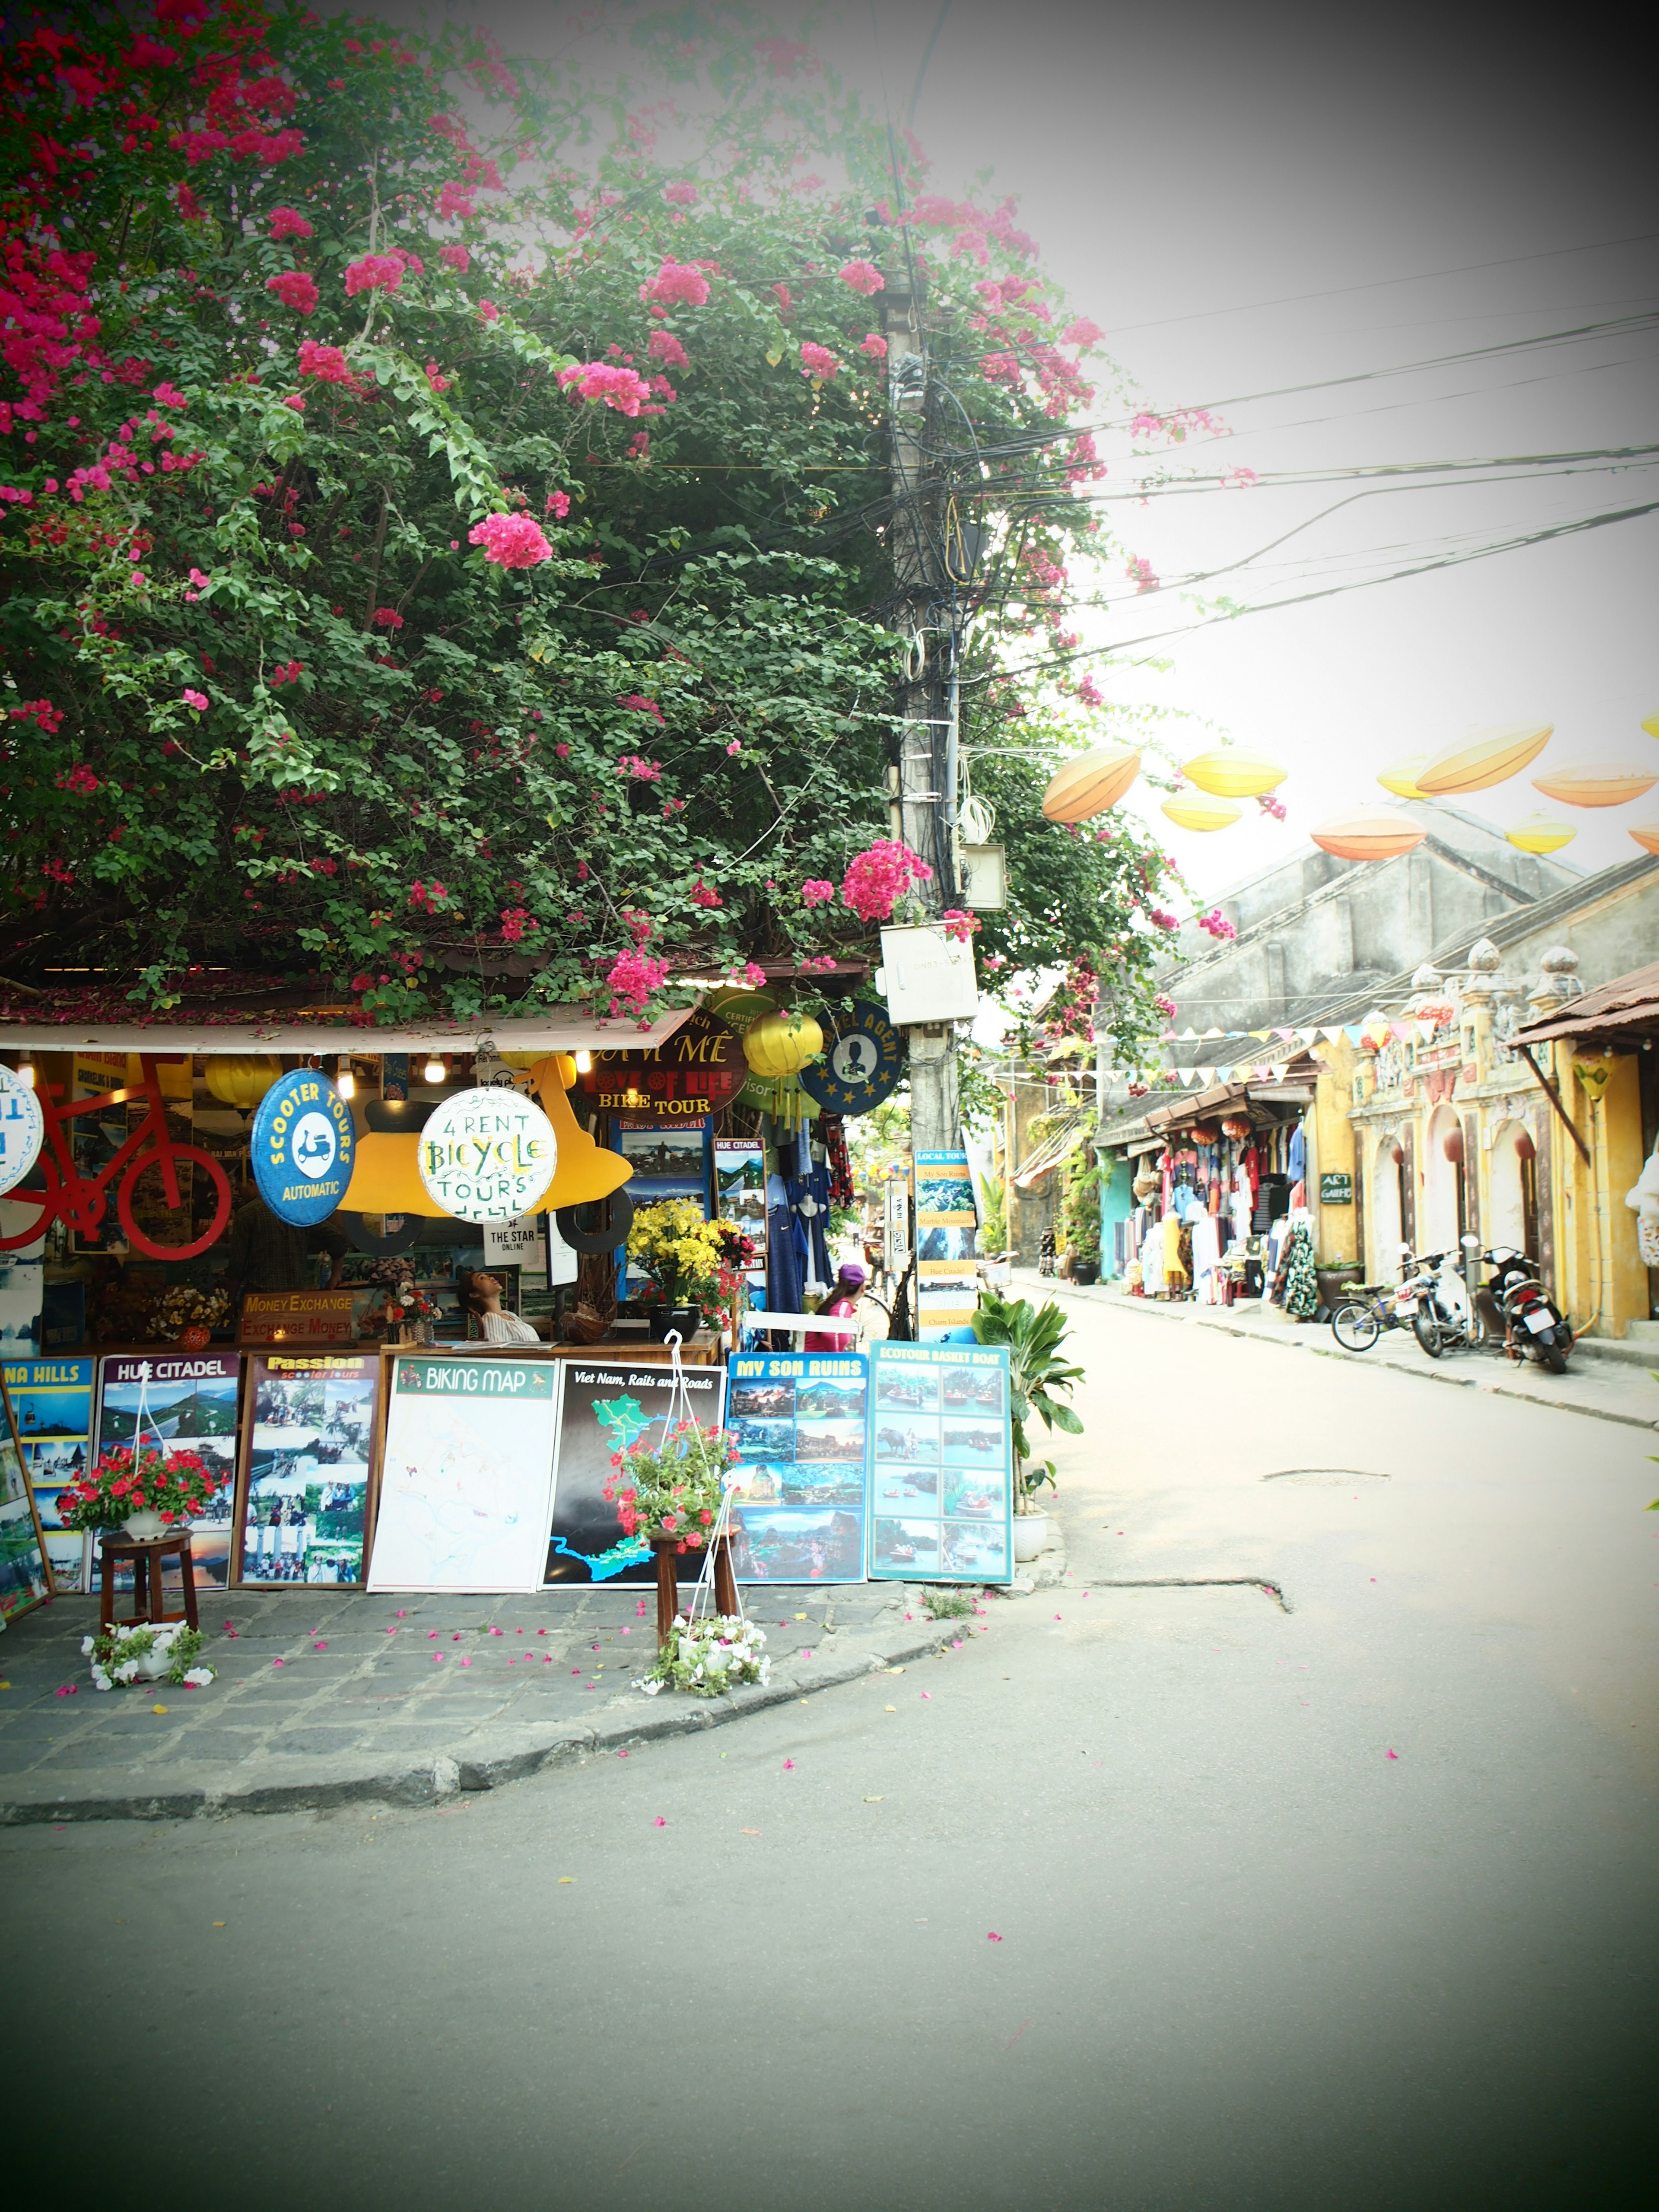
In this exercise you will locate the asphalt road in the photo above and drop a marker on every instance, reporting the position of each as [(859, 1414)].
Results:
[(1246, 1957)]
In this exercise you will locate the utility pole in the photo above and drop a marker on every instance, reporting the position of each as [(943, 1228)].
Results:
[(921, 773)]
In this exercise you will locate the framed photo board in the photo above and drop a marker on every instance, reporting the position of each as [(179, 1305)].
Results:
[(52, 1406), (308, 1446), (802, 1422), (608, 1406), (466, 1472), (178, 1401), (25, 1579), (942, 1493)]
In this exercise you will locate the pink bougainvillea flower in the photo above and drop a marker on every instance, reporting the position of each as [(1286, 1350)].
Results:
[(680, 195), (1391, 1754), (788, 1763), (815, 891), (991, 1936), (327, 362), (559, 505), (456, 203), (289, 222), (864, 277), (387, 618), (375, 272), (165, 395), (878, 877), (488, 311), (617, 386), (455, 257), (197, 700), (875, 345), (663, 346), (279, 1662), (676, 283), (659, 1822), (818, 361), (736, 746), (510, 541), (294, 290)]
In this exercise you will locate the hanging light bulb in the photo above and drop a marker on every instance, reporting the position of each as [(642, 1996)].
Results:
[(434, 1071), (584, 1063), (25, 1070), (345, 1081)]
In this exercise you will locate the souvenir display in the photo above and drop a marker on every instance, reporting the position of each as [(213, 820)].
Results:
[(942, 1497), (801, 1422), (24, 1577), (304, 1504)]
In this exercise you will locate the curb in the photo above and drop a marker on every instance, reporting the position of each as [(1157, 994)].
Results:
[(486, 1760)]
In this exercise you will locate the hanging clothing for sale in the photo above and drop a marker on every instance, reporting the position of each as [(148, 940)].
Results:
[(1296, 1159), (1301, 1283), (1206, 1255), (1152, 1260)]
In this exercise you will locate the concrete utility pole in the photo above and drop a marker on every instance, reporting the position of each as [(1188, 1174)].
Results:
[(921, 775)]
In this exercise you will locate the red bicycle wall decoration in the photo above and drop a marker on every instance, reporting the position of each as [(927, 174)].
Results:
[(80, 1199)]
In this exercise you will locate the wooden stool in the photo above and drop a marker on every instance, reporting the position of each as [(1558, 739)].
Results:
[(146, 1562), (668, 1591)]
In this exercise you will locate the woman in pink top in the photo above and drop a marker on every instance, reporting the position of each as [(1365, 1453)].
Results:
[(849, 1289)]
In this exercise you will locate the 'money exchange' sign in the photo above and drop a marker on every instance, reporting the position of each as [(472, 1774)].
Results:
[(488, 1155)]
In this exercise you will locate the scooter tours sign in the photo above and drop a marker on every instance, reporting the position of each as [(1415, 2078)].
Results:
[(302, 1148), (700, 1066)]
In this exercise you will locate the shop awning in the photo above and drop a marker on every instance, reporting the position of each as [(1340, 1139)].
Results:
[(1628, 1007), (1057, 1145), (559, 1029)]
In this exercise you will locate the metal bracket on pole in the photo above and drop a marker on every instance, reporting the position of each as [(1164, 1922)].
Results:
[(1554, 1096)]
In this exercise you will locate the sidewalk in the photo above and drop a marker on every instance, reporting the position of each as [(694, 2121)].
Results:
[(325, 1697), (1603, 1389)]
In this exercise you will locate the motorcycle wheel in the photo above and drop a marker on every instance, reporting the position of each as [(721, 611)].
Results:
[(1355, 1327), (1426, 1330), (1553, 1357)]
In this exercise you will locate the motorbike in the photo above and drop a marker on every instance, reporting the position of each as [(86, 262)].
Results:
[(1530, 1315), (1434, 1298)]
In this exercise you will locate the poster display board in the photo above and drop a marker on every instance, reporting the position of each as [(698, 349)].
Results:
[(802, 1422), (942, 1493), (309, 1445), (465, 1473), (52, 1405), (173, 1402), (946, 1219), (740, 1186), (608, 1406), (24, 1580)]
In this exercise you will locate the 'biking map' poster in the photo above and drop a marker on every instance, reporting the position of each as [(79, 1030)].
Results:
[(466, 1473), (942, 1494)]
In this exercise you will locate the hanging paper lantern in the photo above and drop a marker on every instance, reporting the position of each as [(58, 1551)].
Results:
[(1646, 834), (1539, 834), (1090, 783), (241, 1079), (1489, 757), (782, 1044), (1367, 834), (1230, 772), (1650, 723), (1402, 778), (1193, 809), (1604, 783)]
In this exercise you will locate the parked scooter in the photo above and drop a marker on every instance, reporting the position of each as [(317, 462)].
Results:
[(1435, 1298), (1533, 1325)]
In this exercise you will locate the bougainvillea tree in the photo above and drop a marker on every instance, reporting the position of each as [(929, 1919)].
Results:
[(441, 527)]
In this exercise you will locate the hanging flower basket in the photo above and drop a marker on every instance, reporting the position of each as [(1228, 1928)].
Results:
[(121, 1657), (709, 1657), (147, 1492)]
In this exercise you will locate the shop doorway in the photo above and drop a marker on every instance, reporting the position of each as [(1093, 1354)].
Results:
[(1443, 1183), (1387, 1214)]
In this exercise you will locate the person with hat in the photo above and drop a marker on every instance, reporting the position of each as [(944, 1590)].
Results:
[(849, 1289)]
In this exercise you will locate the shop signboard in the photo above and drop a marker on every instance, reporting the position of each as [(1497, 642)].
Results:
[(22, 1129), (942, 1496), (271, 1318), (175, 1401), (51, 1406), (1336, 1189), (487, 1155), (521, 1242), (700, 1068), (467, 1469), (302, 1146), (863, 1060), (946, 1219), (24, 1580), (607, 1406), (802, 1422), (304, 1503)]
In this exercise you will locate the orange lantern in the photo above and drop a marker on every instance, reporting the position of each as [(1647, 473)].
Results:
[(1604, 783), (1488, 756), (1090, 783), (1367, 834), (1646, 834)]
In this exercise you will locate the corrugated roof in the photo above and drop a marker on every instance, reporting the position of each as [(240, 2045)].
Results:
[(1628, 1003)]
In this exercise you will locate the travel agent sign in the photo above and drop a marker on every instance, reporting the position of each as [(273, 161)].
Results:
[(303, 1145), (487, 1155), (700, 1066), (862, 1062)]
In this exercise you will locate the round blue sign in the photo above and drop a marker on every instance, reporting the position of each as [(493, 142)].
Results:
[(863, 1060), (303, 1146)]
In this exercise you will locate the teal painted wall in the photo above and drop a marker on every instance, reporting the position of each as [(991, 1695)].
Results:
[(1116, 1204)]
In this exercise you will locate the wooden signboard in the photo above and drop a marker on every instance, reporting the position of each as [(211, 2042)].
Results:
[(701, 1065), (1336, 1189), (272, 1319)]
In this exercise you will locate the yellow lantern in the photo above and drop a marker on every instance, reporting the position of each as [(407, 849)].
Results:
[(240, 1079), (1650, 723), (1194, 810), (1368, 834), (1646, 834), (1486, 757), (1402, 778), (1604, 783), (1539, 834), (1231, 772), (1090, 783), (781, 1044)]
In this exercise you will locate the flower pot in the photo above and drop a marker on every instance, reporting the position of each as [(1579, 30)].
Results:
[(662, 1319), (147, 1527), (1030, 1535), (1085, 1271)]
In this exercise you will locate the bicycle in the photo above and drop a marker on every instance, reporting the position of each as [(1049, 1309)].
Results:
[(78, 1201), (1363, 1316)]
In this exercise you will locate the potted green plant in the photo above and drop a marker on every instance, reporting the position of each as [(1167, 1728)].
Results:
[(1080, 1219), (1034, 1335)]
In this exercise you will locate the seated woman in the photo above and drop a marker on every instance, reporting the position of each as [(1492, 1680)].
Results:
[(481, 1294)]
